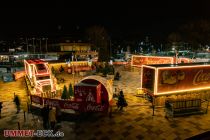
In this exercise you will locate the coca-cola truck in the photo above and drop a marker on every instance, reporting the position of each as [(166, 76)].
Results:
[(167, 79), (39, 75)]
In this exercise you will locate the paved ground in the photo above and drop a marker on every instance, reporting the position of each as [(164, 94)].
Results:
[(135, 122)]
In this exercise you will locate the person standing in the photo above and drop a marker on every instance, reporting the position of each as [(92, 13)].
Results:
[(121, 101), (52, 118), (117, 76), (58, 114), (0, 108), (17, 103), (45, 116)]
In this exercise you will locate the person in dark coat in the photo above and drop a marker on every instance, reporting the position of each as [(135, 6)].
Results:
[(45, 116), (0, 109), (17, 103), (117, 76), (52, 118), (121, 101), (58, 114)]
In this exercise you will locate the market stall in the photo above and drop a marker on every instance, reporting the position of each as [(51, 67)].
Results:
[(95, 92), (91, 94)]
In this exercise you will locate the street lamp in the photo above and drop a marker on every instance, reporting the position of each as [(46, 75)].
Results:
[(27, 44), (33, 44), (40, 45), (110, 45), (45, 43)]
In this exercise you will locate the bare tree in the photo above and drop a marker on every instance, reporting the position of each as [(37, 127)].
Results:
[(197, 33), (100, 39), (174, 37)]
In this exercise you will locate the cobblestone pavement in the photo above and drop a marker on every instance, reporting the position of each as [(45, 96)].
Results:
[(135, 122)]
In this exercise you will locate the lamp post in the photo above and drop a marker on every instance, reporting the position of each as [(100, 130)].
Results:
[(46, 44), (73, 68), (33, 44), (27, 44), (176, 57), (40, 45), (110, 45)]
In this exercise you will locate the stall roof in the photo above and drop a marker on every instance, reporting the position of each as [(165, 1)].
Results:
[(86, 84), (180, 64)]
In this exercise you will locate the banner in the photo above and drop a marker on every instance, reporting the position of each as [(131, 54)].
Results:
[(68, 104), (183, 78), (184, 60), (86, 92), (146, 60)]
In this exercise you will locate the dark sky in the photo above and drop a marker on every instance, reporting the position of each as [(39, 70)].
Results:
[(122, 20)]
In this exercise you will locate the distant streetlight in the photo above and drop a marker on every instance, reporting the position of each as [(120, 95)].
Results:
[(45, 44), (110, 45), (40, 45), (73, 70), (33, 44), (27, 44)]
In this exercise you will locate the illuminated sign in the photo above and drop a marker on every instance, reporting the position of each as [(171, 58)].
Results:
[(68, 104), (178, 79), (138, 60)]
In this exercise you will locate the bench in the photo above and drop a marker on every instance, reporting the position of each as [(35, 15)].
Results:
[(181, 107)]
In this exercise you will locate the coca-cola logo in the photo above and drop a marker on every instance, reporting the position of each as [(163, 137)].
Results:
[(148, 60), (201, 77), (136, 60), (158, 61), (71, 105), (94, 107), (52, 102)]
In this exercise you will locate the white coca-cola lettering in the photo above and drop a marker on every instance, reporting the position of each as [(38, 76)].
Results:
[(158, 61), (149, 60), (71, 105), (90, 97), (136, 60), (52, 102), (35, 99), (201, 77), (94, 108)]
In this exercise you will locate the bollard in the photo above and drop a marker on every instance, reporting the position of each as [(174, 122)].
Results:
[(24, 116), (18, 125)]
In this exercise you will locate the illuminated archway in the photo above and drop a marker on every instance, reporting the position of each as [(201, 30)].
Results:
[(106, 84)]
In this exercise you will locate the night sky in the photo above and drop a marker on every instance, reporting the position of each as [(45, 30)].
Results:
[(122, 20)]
